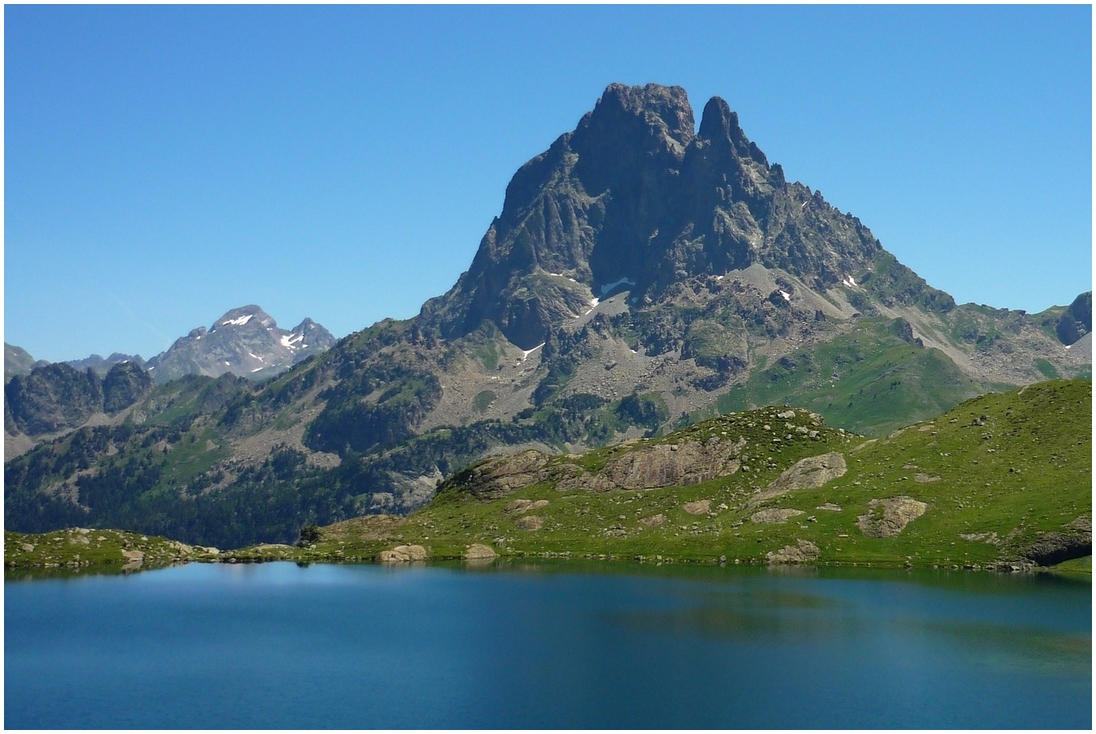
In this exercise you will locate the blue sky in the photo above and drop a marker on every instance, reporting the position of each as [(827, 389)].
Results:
[(164, 164)]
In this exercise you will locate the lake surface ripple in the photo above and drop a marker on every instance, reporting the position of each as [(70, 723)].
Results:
[(546, 645)]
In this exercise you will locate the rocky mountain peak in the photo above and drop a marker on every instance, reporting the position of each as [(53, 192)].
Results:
[(633, 196), (246, 342)]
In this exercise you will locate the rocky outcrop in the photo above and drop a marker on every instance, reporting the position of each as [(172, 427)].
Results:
[(1073, 541), (125, 384), (529, 522), (1076, 321), (700, 507), (53, 398), (886, 518), (496, 478), (810, 473), (519, 507)]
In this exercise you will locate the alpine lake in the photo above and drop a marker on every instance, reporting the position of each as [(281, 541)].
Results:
[(555, 645)]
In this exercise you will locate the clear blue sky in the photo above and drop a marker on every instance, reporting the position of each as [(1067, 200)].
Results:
[(164, 164)]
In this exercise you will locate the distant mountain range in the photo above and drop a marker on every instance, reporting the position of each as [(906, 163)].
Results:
[(43, 398), (642, 276)]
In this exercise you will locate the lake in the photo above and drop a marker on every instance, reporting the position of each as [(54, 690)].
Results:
[(547, 645)]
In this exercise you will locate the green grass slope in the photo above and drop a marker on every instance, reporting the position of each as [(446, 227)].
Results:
[(872, 380), (1005, 480)]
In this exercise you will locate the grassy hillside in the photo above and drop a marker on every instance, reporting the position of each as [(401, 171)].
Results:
[(872, 380)]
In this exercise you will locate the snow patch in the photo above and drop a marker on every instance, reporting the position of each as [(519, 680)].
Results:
[(787, 296), (593, 304), (526, 352), (610, 286), (256, 369), (289, 341), (237, 321), (849, 281), (719, 277), (561, 275), (255, 356), (227, 363)]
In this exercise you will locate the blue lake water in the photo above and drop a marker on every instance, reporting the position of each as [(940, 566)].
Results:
[(546, 646)]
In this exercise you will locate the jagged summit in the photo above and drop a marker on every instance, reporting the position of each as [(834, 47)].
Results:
[(633, 194), (242, 316)]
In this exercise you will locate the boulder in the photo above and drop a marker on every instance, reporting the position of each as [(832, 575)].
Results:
[(810, 473), (402, 554), (804, 551), (700, 507), (886, 518), (479, 552)]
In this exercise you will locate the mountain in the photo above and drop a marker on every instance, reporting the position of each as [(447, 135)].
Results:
[(642, 276), (17, 361), (51, 399), (102, 366), (245, 342)]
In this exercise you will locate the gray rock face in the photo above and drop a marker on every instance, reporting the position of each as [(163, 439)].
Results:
[(1073, 541), (804, 551), (810, 473), (17, 361), (57, 397), (245, 342)]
